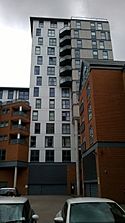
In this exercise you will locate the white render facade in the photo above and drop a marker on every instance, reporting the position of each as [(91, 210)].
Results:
[(58, 46)]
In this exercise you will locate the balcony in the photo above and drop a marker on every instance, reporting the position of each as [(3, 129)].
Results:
[(66, 71), (66, 40), (64, 32), (65, 82), (66, 50), (66, 60)]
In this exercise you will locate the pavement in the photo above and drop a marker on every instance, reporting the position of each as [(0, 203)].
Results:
[(47, 206)]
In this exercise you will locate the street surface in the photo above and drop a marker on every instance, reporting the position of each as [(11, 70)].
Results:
[(47, 206)]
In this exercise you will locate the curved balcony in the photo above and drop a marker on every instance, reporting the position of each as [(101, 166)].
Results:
[(66, 50), (65, 82), (66, 60), (66, 40), (66, 71), (64, 31)]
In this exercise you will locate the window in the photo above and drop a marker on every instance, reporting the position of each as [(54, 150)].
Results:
[(76, 33), (37, 50), (39, 60), (52, 81), (99, 26), (91, 134), (49, 156), (51, 103), (78, 24), (89, 112), (52, 60), (37, 128), (38, 103), (65, 115), (52, 41), (49, 142), (94, 44), (39, 81), (10, 94), (41, 24), (51, 51), (53, 24), (66, 142), (93, 35), (37, 70), (36, 92), (101, 45), (65, 93), (66, 156), (77, 53), (24, 95), (49, 128), (33, 141), (105, 55), (52, 92), (1, 94), (65, 128), (2, 154), (79, 43), (51, 115), (65, 24), (77, 63), (38, 32), (88, 90), (103, 35), (92, 24), (95, 54), (50, 70), (34, 156), (51, 32), (35, 116), (40, 40), (65, 103)]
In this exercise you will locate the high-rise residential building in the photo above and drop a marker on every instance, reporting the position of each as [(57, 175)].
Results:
[(102, 122), (58, 46)]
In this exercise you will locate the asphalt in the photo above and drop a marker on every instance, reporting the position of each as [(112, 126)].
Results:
[(47, 206)]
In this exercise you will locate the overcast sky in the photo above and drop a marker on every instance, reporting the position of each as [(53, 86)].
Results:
[(15, 36)]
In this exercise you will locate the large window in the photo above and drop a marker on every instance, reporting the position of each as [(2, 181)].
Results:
[(77, 53), (51, 32), (50, 70), (52, 81), (52, 60), (33, 141), (91, 134), (37, 70), (66, 142), (79, 43), (39, 81), (37, 128), (89, 112), (49, 157), (36, 92), (1, 94), (65, 128), (65, 115), (2, 154), (65, 103), (41, 24), (95, 54), (53, 24), (51, 115), (37, 50), (99, 26), (52, 92), (51, 51), (66, 156), (24, 95), (49, 141), (10, 94), (77, 63), (76, 33), (101, 45), (35, 116), (103, 35), (38, 103), (49, 128), (94, 44), (51, 103), (65, 93), (105, 55), (52, 41), (40, 40), (78, 24), (93, 34), (38, 32), (39, 60), (34, 156)]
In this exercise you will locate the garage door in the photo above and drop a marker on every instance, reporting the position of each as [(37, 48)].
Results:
[(47, 190)]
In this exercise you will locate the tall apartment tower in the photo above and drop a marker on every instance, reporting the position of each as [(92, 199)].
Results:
[(58, 47)]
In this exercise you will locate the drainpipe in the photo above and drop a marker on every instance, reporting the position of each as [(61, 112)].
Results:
[(15, 177), (77, 158)]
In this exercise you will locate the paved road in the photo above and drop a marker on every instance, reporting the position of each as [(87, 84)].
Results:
[(47, 206)]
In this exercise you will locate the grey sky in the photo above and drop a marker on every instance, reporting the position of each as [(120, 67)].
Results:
[(14, 15)]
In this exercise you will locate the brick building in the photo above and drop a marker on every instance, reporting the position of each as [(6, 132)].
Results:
[(102, 124)]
